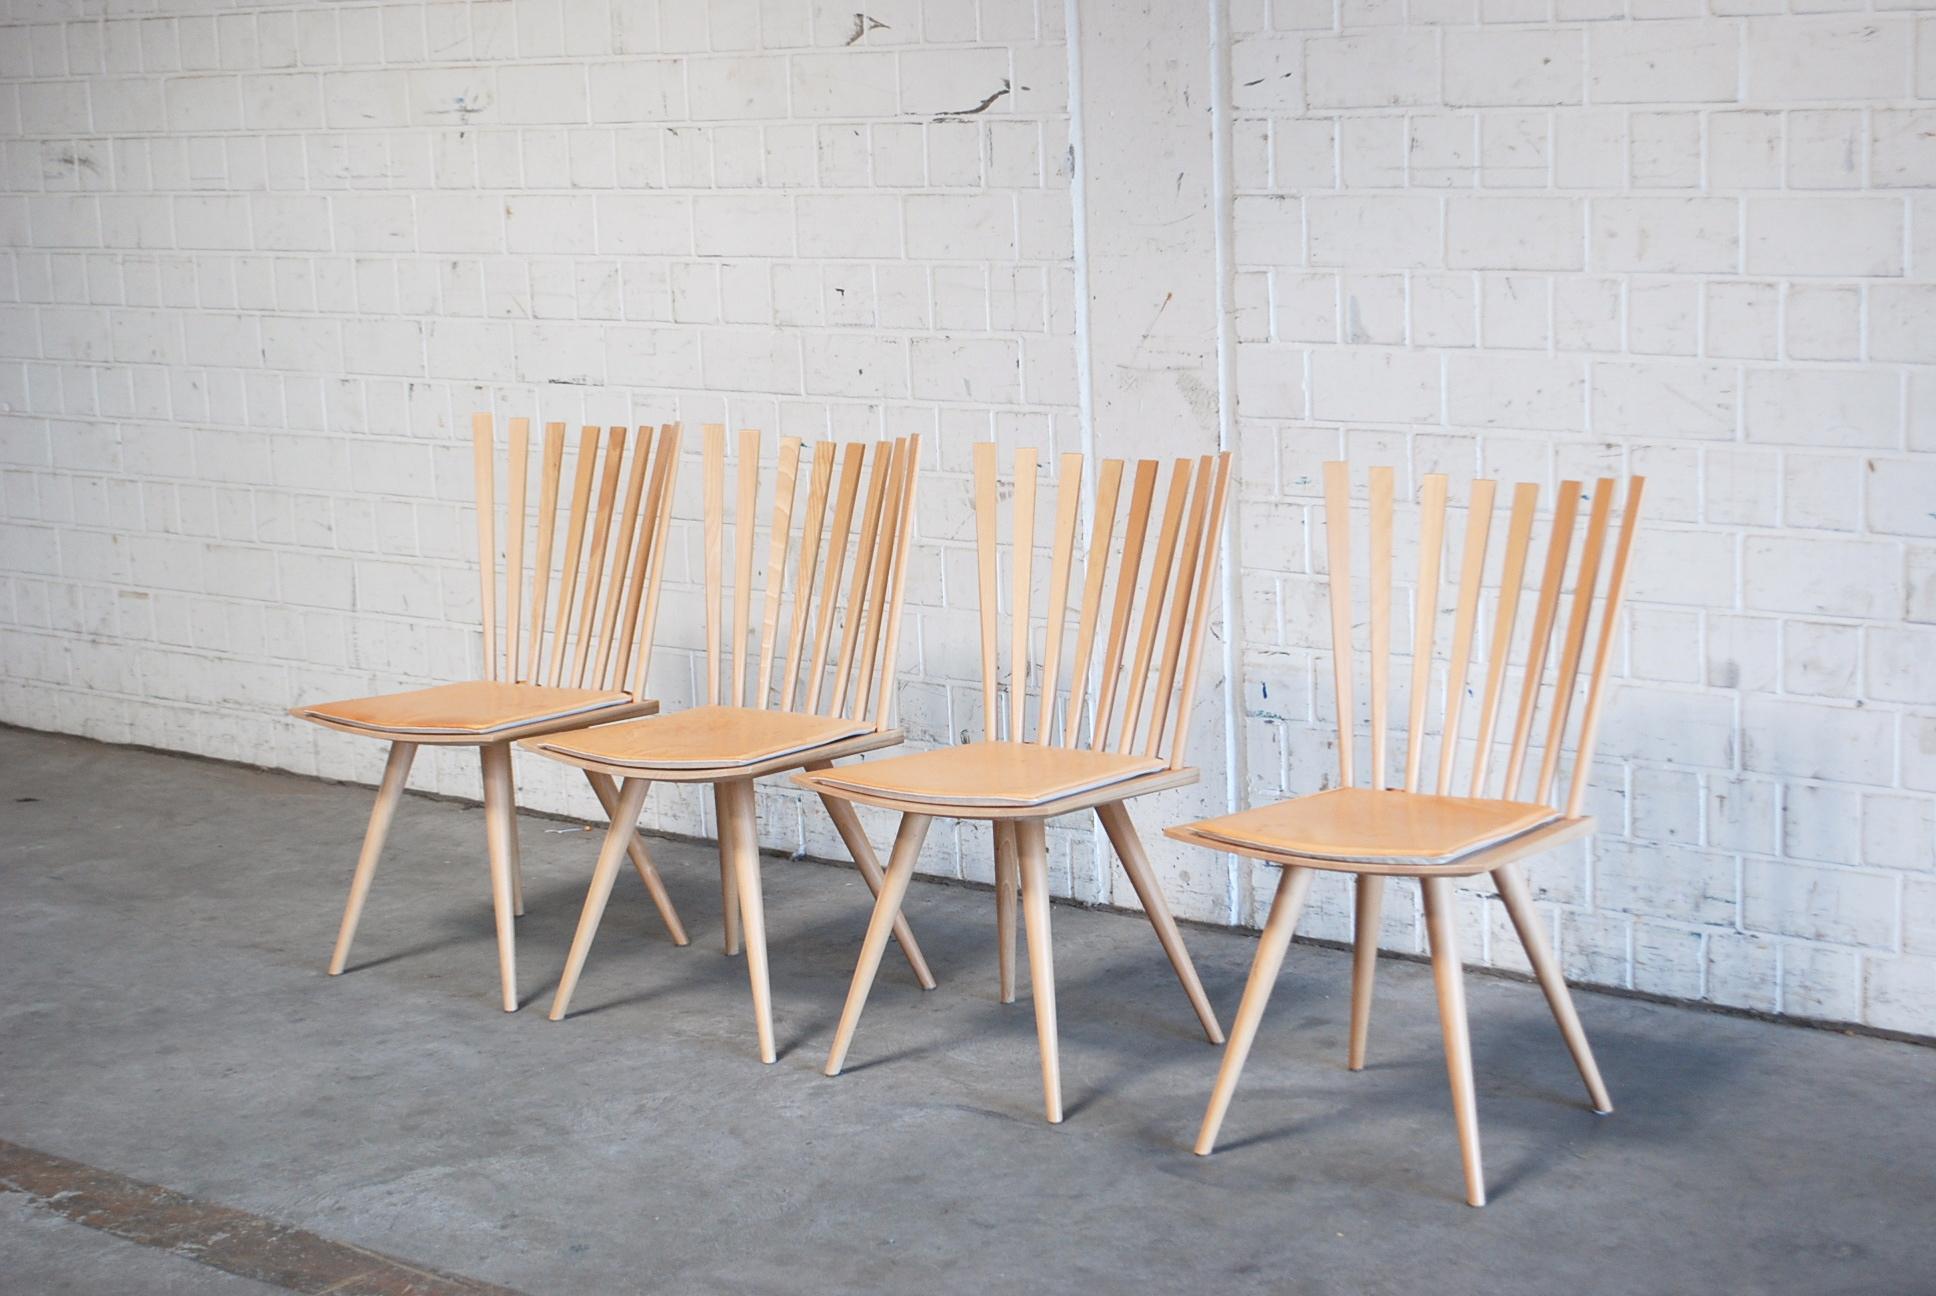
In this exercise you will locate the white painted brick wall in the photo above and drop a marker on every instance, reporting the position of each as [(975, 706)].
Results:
[(1636, 238), (260, 263)]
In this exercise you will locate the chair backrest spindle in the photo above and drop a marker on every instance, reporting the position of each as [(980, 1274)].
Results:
[(599, 542), (619, 550), (1135, 531), (809, 568), (1566, 508), (1575, 642), (1174, 591), (785, 487), (1068, 500), (1102, 535), (1425, 619), (1512, 578), (618, 591), (1381, 583), (986, 577), (1157, 590), (850, 467), (1472, 570), (553, 473), (1337, 532), (650, 561), (484, 465), (581, 493), (1465, 620), (1021, 557), (886, 460), (514, 546), (1189, 551), (791, 632), (1209, 541), (1603, 652)]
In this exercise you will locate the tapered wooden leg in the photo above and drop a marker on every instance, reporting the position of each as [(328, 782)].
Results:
[(517, 873), (728, 885), (1441, 928), (1008, 880), (735, 801), (500, 832), (1364, 964), (900, 871), (1291, 889), (630, 799), (605, 788), (847, 823), (1519, 904), (1033, 853), (395, 772), (1129, 849)]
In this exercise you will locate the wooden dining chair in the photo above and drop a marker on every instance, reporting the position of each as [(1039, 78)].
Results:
[(1137, 731), (832, 696), (559, 662), (1376, 830)]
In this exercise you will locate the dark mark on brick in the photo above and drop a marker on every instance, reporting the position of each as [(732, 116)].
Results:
[(981, 107)]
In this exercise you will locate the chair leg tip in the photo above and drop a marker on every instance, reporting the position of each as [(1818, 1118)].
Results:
[(1215, 1037), (1603, 1111)]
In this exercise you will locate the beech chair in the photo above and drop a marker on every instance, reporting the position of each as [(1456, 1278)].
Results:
[(830, 699), (535, 681), (1379, 831), (1018, 783)]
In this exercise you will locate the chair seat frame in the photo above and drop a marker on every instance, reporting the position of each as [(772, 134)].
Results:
[(592, 644), (1181, 571), (852, 676), (1503, 862)]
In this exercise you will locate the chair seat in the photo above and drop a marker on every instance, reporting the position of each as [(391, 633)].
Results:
[(1364, 826), (987, 774), (702, 737), (480, 707)]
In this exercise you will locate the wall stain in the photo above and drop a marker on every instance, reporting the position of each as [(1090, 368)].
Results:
[(981, 107)]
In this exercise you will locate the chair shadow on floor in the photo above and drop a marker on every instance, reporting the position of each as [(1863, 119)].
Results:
[(1658, 1086)]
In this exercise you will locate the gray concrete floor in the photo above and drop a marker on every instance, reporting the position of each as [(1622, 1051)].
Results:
[(166, 1016)]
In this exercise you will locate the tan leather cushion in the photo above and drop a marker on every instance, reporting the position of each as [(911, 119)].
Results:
[(703, 737), (1361, 825), (476, 706), (990, 773)]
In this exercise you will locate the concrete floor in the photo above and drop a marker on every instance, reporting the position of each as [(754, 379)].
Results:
[(167, 1017)]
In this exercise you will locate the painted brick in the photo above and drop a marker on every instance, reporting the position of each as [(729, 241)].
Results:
[(1690, 61), (1663, 235), (1786, 236)]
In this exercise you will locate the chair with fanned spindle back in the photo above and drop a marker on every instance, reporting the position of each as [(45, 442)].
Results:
[(1019, 783), (1380, 831), (833, 696), (559, 664)]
